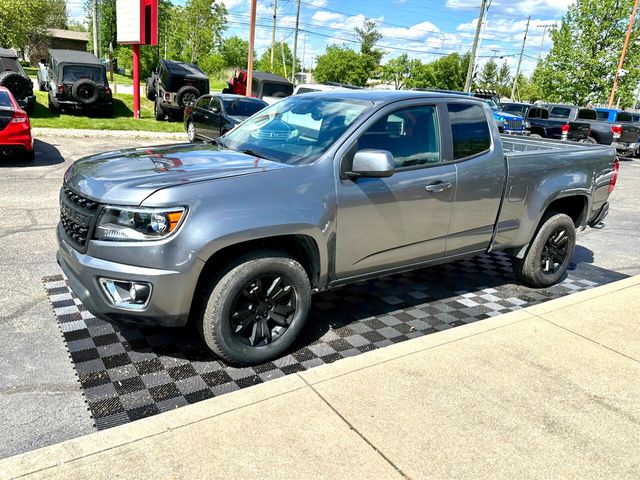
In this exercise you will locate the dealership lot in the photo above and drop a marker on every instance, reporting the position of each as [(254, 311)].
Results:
[(43, 400)]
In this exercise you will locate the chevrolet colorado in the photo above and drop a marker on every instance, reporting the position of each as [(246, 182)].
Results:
[(313, 192)]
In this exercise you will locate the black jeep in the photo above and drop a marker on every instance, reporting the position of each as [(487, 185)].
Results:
[(76, 80), (14, 78), (174, 86)]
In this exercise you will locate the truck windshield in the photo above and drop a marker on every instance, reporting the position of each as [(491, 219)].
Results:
[(73, 73), (515, 109), (296, 130)]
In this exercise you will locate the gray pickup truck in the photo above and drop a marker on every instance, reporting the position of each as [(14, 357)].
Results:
[(316, 191)]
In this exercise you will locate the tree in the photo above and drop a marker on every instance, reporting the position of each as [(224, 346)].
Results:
[(584, 57), (203, 24), (368, 36), (503, 80), (450, 71), (488, 76), (341, 64), (398, 70), (17, 26), (235, 52), (281, 49)]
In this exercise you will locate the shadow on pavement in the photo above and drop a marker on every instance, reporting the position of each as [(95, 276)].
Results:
[(46, 154)]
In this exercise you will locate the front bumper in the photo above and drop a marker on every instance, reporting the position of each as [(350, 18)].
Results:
[(171, 296)]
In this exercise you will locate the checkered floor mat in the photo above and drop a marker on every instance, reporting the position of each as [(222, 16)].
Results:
[(129, 372)]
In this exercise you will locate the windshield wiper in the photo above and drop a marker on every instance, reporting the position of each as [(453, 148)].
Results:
[(218, 141), (254, 154)]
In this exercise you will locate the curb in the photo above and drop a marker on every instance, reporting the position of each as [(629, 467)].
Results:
[(76, 133)]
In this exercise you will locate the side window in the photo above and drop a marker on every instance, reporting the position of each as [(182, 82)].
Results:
[(215, 104), (202, 102), (410, 134), (469, 130)]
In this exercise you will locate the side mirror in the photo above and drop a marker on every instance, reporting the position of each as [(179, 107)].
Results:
[(215, 110), (372, 164)]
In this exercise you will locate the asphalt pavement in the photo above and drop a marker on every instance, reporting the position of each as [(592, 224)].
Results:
[(41, 401)]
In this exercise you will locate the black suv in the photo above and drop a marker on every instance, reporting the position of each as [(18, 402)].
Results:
[(174, 86), (14, 78), (76, 80)]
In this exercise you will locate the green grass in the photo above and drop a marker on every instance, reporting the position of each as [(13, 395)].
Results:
[(121, 120), (31, 71)]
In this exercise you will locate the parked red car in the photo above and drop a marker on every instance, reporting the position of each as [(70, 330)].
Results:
[(15, 128)]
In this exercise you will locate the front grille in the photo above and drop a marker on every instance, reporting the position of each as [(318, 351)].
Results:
[(515, 125), (77, 215)]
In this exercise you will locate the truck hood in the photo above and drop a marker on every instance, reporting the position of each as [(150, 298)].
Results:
[(127, 177), (506, 116)]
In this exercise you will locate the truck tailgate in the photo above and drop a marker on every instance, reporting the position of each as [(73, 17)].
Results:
[(630, 133), (578, 131)]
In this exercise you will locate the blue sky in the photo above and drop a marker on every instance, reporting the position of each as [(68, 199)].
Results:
[(423, 29)]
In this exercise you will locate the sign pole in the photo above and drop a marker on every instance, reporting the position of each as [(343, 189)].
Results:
[(252, 39), (136, 80)]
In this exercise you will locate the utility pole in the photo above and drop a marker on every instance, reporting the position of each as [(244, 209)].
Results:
[(544, 36), (295, 44), (472, 59), (273, 31), (304, 51), (252, 41), (95, 27), (622, 55), (515, 79)]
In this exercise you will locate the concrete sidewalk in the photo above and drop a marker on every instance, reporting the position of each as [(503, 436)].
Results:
[(552, 391)]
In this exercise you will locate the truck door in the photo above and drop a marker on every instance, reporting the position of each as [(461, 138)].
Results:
[(213, 118), (481, 174), (383, 223)]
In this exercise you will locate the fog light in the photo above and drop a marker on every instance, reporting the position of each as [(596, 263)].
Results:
[(126, 295)]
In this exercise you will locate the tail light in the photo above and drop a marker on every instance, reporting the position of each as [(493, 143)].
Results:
[(107, 90), (565, 129), (19, 117), (60, 87), (614, 177), (616, 130), (167, 96)]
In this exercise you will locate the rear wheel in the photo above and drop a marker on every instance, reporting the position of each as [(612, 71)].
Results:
[(158, 111), (150, 89), (187, 96), (54, 105), (535, 135), (257, 308), (550, 252), (590, 140), (29, 156)]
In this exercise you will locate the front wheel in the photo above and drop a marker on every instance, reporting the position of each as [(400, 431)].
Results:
[(191, 131), (257, 309), (550, 252)]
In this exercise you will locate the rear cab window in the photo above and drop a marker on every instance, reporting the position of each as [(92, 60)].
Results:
[(73, 73), (470, 132), (559, 112), (587, 114)]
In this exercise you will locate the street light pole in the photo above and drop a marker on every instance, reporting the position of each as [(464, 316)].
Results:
[(95, 27), (472, 59), (622, 55), (524, 41)]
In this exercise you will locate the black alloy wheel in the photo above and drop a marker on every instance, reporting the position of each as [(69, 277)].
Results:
[(263, 310), (554, 252)]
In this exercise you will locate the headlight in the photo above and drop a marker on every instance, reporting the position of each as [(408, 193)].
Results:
[(124, 224)]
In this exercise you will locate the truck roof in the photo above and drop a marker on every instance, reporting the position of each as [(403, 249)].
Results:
[(74, 56), (381, 96), (183, 68)]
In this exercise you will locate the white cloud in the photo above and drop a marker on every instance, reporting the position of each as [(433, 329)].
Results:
[(415, 32), (323, 16)]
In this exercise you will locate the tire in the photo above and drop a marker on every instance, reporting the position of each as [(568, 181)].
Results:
[(54, 105), (191, 132), (150, 89), (530, 270), (236, 289), (187, 96), (29, 156), (158, 111), (107, 112), (535, 135), (17, 84), (85, 91), (591, 140)]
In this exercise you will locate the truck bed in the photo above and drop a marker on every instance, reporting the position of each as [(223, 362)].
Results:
[(522, 146), (534, 169)]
